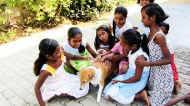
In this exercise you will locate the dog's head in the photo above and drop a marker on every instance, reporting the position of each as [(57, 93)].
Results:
[(86, 75)]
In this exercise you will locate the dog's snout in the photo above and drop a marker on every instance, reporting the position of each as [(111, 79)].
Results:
[(81, 88)]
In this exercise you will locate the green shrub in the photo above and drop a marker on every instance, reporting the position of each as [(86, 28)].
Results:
[(39, 13), (20, 14)]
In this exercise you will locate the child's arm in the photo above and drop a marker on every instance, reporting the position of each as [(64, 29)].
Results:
[(112, 56), (90, 50), (73, 57), (138, 73), (161, 41), (43, 75)]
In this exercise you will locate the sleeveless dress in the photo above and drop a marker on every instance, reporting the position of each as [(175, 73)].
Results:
[(124, 93), (161, 77), (61, 82)]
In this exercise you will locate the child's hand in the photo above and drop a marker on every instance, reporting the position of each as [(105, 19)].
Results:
[(115, 81), (107, 57), (101, 51), (141, 63), (42, 103)]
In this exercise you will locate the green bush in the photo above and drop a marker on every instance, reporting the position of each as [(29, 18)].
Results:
[(39, 13), (21, 14)]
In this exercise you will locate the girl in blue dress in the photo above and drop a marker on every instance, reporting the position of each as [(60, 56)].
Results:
[(123, 88)]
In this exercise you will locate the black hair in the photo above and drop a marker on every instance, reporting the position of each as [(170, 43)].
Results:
[(121, 10), (73, 31), (154, 9), (81, 49), (151, 1), (132, 37), (111, 38), (46, 47), (166, 26)]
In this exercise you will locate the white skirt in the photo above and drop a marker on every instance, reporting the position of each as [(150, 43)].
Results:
[(64, 84)]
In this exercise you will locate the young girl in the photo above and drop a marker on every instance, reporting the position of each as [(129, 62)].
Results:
[(136, 20), (123, 88), (119, 23), (161, 77), (75, 47), (104, 40), (177, 84), (52, 79)]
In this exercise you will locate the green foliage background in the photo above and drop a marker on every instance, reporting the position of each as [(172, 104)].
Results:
[(21, 14)]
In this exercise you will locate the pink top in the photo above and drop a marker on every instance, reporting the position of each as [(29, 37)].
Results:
[(117, 48)]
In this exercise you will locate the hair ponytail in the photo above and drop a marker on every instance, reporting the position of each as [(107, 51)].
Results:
[(47, 47), (144, 43), (132, 37), (39, 63)]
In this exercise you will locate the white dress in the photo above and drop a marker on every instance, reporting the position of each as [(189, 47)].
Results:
[(70, 49), (61, 82)]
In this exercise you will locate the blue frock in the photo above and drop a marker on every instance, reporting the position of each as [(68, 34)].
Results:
[(124, 93)]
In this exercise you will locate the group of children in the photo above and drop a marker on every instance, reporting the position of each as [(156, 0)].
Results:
[(140, 60)]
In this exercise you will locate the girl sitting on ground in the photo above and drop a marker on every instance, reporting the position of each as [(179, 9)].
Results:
[(75, 47), (52, 79)]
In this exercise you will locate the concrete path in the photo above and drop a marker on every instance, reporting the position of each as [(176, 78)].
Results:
[(17, 78)]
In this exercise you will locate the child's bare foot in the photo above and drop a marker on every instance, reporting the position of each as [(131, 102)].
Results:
[(144, 97), (177, 87), (187, 100)]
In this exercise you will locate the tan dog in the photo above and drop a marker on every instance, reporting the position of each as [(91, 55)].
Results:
[(96, 74)]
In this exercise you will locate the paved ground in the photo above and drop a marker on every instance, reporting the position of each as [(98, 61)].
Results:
[(17, 79)]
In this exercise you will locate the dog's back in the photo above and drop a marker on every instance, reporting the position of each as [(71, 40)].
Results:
[(104, 68)]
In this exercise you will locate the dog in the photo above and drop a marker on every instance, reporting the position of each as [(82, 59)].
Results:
[(96, 74)]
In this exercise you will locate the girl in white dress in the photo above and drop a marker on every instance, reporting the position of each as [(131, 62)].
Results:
[(53, 80)]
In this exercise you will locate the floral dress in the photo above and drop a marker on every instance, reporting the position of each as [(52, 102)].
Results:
[(161, 77)]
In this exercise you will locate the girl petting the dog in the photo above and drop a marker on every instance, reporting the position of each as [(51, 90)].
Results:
[(104, 40), (123, 88), (75, 48), (52, 79)]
